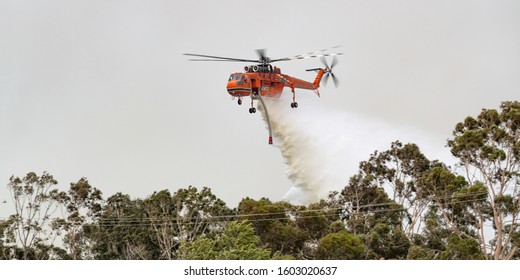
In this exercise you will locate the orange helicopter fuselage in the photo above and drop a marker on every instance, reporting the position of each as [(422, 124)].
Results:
[(267, 82)]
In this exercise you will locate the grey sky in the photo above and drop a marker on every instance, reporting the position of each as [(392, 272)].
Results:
[(99, 89)]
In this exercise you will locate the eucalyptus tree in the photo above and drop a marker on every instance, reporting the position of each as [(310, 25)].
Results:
[(369, 213), (7, 240), (488, 150), (35, 202), (397, 171), (182, 217), (340, 246), (121, 231), (276, 224), (238, 241), (199, 212), (82, 204)]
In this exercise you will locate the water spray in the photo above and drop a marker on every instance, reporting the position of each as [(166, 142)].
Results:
[(322, 147)]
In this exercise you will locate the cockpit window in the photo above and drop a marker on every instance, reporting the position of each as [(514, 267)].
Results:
[(238, 76), (231, 77)]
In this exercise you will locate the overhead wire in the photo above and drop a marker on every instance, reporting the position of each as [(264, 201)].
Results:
[(168, 219), (295, 211)]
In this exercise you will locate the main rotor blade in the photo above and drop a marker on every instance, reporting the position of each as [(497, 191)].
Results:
[(218, 58), (304, 57), (312, 54)]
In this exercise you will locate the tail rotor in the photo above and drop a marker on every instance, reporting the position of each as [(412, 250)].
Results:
[(328, 70)]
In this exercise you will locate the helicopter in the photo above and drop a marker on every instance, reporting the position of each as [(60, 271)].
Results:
[(262, 79)]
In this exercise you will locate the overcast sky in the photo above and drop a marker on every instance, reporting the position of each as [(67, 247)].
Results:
[(100, 89)]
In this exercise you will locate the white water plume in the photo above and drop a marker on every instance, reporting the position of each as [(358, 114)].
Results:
[(322, 147)]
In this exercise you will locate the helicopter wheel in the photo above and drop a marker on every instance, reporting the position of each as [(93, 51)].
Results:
[(294, 105), (239, 101), (252, 110)]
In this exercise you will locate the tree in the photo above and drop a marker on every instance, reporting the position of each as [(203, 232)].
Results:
[(439, 241), (237, 242), (432, 242), (364, 204), (121, 231), (7, 240), (385, 241), (35, 202), (275, 223), (202, 248), (160, 212), (314, 221), (488, 149), (370, 213), (461, 249), (183, 216), (199, 212), (397, 171), (82, 204), (340, 246)]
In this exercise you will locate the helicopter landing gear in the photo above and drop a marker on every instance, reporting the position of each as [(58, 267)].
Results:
[(252, 110), (294, 104), (239, 101)]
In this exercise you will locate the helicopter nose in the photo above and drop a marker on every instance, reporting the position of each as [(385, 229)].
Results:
[(231, 88), (231, 84)]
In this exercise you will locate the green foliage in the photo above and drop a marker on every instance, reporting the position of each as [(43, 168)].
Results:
[(340, 246), (313, 220), (440, 183), (202, 248), (385, 242), (492, 137), (82, 203), (35, 202), (440, 243), (194, 214), (366, 204), (417, 252), (461, 249), (397, 171), (272, 222), (121, 231), (435, 232), (458, 204), (370, 213), (162, 222), (237, 242), (7, 239), (488, 148)]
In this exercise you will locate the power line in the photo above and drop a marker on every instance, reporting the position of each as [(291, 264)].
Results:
[(215, 219), (167, 219), (392, 203)]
